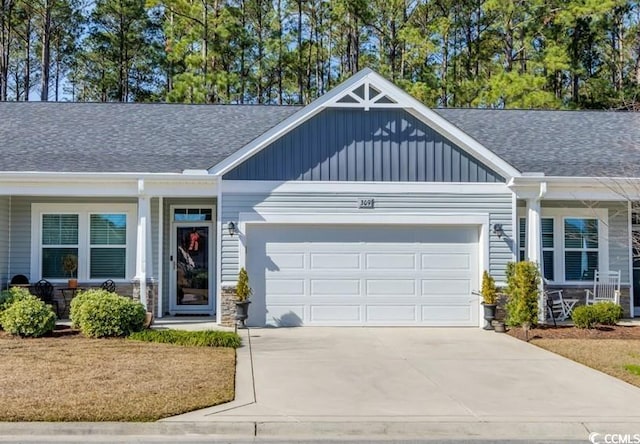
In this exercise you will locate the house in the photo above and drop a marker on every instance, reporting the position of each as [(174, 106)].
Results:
[(363, 208)]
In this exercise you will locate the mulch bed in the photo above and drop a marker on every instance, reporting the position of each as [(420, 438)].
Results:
[(571, 332)]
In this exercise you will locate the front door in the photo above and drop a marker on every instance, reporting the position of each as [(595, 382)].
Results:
[(191, 262)]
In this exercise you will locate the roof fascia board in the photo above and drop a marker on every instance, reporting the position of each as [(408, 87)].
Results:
[(578, 188), (403, 99)]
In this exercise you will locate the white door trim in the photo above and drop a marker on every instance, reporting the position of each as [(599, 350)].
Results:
[(210, 307)]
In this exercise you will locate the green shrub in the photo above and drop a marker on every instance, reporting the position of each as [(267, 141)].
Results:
[(99, 313), (28, 316), (523, 284), (489, 291), (605, 313), (206, 338), (608, 313), (8, 297), (584, 317)]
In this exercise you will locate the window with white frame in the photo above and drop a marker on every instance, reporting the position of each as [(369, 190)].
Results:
[(580, 248), (99, 238), (574, 242), (547, 245)]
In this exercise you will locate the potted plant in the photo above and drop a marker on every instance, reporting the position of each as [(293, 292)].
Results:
[(489, 294), (243, 292), (70, 265)]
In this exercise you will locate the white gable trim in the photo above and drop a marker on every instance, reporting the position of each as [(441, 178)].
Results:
[(368, 78)]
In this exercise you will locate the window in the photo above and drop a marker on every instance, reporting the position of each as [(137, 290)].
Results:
[(99, 239), (108, 241), (580, 248), (547, 245), (191, 214), (59, 241)]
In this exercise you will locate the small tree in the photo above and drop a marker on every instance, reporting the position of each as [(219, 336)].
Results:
[(489, 291), (243, 291), (523, 286)]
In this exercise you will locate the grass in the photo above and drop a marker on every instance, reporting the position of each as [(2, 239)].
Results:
[(72, 378), (207, 338), (616, 357)]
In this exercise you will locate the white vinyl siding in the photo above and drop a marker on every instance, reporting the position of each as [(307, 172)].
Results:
[(5, 229), (498, 206)]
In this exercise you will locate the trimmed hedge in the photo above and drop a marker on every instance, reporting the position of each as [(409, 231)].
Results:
[(604, 313), (28, 316), (206, 338), (99, 313)]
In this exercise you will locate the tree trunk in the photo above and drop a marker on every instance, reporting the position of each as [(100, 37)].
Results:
[(46, 51)]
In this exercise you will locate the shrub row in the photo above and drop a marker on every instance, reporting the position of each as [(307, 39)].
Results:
[(99, 313), (207, 338), (23, 314), (603, 313)]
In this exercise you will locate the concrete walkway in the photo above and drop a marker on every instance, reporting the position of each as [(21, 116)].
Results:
[(417, 382)]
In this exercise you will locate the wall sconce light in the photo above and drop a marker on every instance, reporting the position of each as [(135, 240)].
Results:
[(232, 228), (497, 230)]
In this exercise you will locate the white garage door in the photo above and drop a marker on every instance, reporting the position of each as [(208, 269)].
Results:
[(362, 275)]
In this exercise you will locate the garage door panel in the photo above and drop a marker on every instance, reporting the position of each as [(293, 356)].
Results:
[(333, 313), (286, 261), (392, 314), (335, 287), (333, 261), (286, 315), (359, 275), (285, 286), (446, 286), (391, 287), (390, 261), (441, 261)]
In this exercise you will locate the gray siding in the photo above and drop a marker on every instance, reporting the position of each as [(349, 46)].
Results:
[(21, 227), (357, 145), (618, 230), (497, 205), (5, 208)]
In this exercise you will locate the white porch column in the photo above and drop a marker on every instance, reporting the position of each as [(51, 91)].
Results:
[(143, 250), (534, 229), (534, 242)]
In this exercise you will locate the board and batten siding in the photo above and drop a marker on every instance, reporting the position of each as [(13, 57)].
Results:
[(380, 145), (618, 230), (498, 206), (5, 233), (21, 226)]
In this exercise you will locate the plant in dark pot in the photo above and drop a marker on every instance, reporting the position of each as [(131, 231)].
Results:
[(489, 294), (243, 292)]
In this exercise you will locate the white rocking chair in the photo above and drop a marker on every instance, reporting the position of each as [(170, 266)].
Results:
[(606, 287)]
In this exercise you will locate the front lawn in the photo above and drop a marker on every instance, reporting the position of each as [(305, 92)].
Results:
[(614, 350), (72, 378)]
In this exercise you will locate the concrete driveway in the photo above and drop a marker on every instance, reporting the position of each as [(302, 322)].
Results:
[(419, 375)]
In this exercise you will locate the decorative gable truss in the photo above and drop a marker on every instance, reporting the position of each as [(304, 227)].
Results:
[(366, 91)]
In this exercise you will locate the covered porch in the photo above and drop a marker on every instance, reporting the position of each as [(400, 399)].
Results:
[(153, 235), (572, 228)]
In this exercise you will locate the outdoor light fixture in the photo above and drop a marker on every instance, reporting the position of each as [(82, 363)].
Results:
[(232, 228), (497, 230)]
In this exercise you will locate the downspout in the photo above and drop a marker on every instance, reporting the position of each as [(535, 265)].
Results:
[(542, 312), (9, 244), (160, 255), (218, 239)]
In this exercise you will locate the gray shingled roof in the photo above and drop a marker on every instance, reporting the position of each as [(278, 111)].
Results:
[(156, 138), (557, 143), (110, 137)]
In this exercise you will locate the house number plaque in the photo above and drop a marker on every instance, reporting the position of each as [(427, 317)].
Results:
[(365, 202)]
